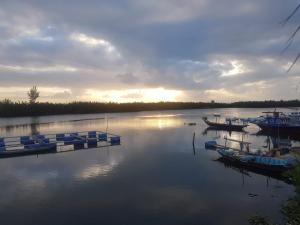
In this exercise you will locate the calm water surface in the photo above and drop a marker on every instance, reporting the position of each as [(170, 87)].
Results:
[(153, 177)]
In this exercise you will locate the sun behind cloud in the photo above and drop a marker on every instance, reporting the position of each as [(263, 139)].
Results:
[(133, 95)]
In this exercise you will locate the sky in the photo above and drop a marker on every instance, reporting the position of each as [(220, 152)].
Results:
[(142, 50)]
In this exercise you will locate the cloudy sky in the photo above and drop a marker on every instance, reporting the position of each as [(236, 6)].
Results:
[(142, 50)]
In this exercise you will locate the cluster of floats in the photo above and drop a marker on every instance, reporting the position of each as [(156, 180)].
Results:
[(54, 143), (276, 160)]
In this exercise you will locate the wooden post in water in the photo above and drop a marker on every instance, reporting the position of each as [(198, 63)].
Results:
[(194, 144)]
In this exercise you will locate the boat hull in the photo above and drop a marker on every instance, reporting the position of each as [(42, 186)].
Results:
[(253, 165), (281, 129)]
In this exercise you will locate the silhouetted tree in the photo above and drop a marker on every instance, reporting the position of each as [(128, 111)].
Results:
[(33, 94)]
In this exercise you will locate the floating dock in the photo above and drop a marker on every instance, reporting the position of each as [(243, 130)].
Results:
[(55, 143)]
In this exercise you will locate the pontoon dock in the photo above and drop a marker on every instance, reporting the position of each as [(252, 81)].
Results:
[(55, 143)]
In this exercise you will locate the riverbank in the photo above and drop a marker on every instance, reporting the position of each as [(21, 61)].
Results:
[(17, 109)]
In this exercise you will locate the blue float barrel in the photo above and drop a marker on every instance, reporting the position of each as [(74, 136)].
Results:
[(46, 140), (40, 136), (115, 140), (92, 142), (102, 137), (2, 144), (68, 140), (92, 134), (24, 139), (78, 144), (210, 144), (60, 137)]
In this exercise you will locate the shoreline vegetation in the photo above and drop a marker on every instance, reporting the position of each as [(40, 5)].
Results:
[(17, 109)]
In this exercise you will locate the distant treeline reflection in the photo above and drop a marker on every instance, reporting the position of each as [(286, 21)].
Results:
[(12, 109)]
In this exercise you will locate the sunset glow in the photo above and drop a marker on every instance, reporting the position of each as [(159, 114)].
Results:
[(133, 95)]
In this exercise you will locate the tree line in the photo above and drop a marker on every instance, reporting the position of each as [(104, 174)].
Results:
[(13, 109)]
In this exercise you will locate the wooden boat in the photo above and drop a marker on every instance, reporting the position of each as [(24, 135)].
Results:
[(229, 124), (244, 169), (267, 162)]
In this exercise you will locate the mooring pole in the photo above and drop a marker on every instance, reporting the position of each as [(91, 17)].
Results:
[(194, 143)]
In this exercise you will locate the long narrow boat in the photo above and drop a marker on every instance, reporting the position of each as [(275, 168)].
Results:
[(244, 169), (228, 125), (267, 162)]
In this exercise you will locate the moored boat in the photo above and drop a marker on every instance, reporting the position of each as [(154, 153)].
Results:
[(271, 161), (278, 122), (229, 124)]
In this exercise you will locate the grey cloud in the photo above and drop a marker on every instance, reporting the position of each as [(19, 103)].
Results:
[(128, 78), (163, 43), (62, 95)]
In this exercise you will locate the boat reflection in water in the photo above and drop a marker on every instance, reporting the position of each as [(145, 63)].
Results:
[(218, 130), (279, 135)]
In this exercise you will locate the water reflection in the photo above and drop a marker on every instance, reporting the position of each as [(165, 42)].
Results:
[(217, 131), (96, 170), (34, 126), (153, 177)]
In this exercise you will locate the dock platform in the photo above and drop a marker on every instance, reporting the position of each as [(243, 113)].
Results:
[(55, 143)]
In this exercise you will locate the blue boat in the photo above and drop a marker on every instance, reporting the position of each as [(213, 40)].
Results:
[(272, 161), (278, 122), (267, 163)]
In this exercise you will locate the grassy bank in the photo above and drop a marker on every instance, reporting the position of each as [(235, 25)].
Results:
[(14, 109)]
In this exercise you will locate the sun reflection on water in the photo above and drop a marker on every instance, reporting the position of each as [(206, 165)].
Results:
[(96, 170)]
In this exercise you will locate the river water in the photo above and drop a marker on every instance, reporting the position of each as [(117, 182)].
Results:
[(154, 177)]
